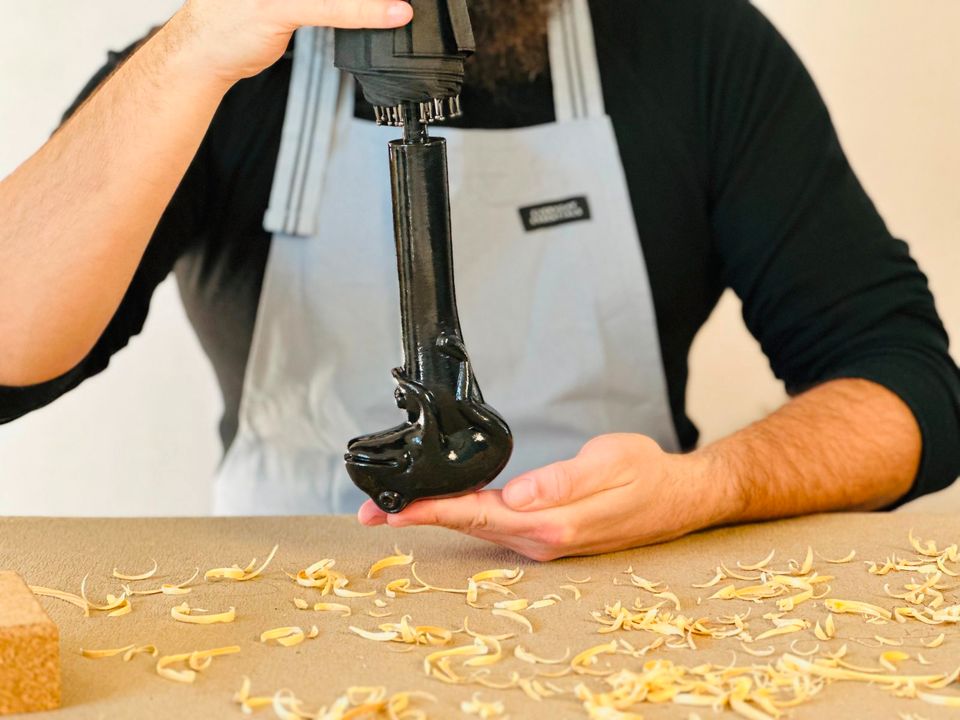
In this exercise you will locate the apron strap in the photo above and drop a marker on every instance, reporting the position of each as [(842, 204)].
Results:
[(577, 90), (307, 133), (311, 112)]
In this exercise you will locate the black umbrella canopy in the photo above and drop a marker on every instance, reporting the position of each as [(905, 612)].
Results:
[(415, 67)]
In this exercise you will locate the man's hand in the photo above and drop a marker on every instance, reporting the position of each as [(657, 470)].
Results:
[(620, 491), (847, 444), (235, 39), (77, 216)]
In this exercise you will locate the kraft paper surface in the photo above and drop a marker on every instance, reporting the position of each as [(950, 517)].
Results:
[(58, 553)]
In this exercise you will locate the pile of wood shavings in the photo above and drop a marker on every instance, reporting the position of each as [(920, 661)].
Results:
[(752, 690), (355, 703)]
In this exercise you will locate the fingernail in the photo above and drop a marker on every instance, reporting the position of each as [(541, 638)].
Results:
[(520, 493), (399, 12)]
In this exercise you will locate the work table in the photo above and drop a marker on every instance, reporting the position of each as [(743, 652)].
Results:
[(59, 553)]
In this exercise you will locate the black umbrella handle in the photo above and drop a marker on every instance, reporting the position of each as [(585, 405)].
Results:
[(452, 442)]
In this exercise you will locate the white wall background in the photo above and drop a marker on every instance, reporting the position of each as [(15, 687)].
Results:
[(141, 438)]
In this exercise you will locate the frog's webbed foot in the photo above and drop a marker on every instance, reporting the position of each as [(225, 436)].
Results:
[(449, 445)]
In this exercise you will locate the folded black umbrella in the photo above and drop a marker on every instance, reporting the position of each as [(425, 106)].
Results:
[(420, 64)]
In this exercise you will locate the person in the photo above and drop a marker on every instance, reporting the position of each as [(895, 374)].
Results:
[(618, 166)]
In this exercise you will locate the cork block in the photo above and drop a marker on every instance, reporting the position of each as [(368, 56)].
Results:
[(29, 651)]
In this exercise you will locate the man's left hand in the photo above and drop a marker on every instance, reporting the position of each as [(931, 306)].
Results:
[(620, 491)]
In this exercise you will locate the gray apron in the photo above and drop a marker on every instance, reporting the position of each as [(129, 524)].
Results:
[(553, 293)]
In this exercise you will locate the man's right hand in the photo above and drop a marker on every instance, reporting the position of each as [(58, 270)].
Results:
[(78, 215), (236, 39)]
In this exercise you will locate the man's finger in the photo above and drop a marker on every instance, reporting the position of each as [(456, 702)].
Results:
[(370, 515), (564, 482), (348, 13), (480, 511)]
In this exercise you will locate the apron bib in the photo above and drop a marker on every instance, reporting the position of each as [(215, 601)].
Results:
[(552, 289)]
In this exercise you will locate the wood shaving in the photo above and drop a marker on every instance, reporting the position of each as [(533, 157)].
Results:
[(493, 655), (322, 576), (795, 648), (720, 575), (395, 560), (354, 704), (515, 605), (889, 659), (343, 592), (99, 654), (887, 641), (185, 614), (405, 632), (340, 608), (544, 602), (240, 574), (491, 710), (758, 565), (583, 661), (150, 650), (793, 627), (473, 633), (757, 652), (841, 673), (174, 590), (123, 609), (189, 675), (755, 692), (857, 607), (525, 655), (437, 664), (807, 563), (839, 561), (515, 616), (434, 588), (503, 576), (166, 588), (654, 619), (573, 590), (115, 604), (381, 636), (286, 636), (952, 701), (402, 586), (71, 598), (137, 576)]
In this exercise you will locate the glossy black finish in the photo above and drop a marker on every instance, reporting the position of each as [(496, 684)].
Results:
[(418, 62), (452, 442)]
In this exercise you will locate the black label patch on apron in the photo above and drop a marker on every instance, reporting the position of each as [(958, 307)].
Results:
[(555, 213)]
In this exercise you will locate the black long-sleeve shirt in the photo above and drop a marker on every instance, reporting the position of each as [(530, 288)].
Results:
[(737, 179)]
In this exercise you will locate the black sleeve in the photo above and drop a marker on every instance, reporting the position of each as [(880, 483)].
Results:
[(826, 289), (179, 226)]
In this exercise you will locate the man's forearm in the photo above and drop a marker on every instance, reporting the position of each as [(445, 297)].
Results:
[(844, 445), (79, 213)]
